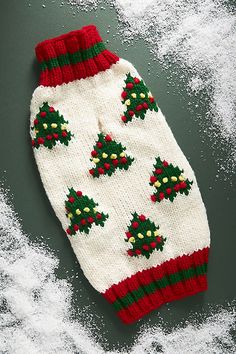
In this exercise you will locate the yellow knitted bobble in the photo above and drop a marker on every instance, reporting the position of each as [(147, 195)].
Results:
[(127, 102), (156, 233), (142, 95), (113, 156), (149, 233), (104, 155), (94, 209), (70, 215), (157, 184), (133, 95), (140, 235), (63, 126), (132, 239), (86, 209), (181, 178), (45, 125), (173, 178), (54, 125), (96, 160), (165, 180), (78, 212), (122, 154), (36, 131)]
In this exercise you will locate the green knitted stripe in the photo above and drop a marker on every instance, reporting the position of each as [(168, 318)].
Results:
[(150, 288), (77, 57)]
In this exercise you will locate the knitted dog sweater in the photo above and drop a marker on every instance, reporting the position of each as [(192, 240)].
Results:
[(116, 178)]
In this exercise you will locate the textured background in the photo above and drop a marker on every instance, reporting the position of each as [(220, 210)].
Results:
[(22, 27)]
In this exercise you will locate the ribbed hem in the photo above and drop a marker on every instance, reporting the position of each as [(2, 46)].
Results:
[(72, 56), (147, 290)]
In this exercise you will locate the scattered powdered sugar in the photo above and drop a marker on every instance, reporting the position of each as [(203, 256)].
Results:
[(199, 37), (37, 316)]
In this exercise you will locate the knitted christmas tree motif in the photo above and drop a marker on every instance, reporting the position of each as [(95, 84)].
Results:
[(50, 127), (143, 235), (137, 98), (82, 213), (108, 155), (168, 181)]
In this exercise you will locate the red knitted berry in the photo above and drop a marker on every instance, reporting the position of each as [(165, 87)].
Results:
[(43, 114), (123, 160), (101, 171), (136, 80), (183, 185), (90, 219), (129, 85), (146, 247), (71, 199), (115, 162), (177, 187), (165, 163), (142, 217), (108, 138), (107, 166), (51, 109), (68, 231), (94, 153), (158, 171), (153, 198), (64, 133), (124, 94), (168, 191), (131, 113), (139, 107), (40, 140), (92, 171), (138, 252), (151, 99), (128, 234), (130, 253), (79, 193), (153, 244), (83, 222), (145, 105), (55, 135), (36, 121), (124, 119), (161, 195), (49, 137), (76, 227), (158, 238), (135, 224), (32, 142), (99, 145), (98, 216), (153, 179)]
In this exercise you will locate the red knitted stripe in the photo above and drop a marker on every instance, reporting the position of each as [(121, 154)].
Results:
[(70, 42), (171, 293), (147, 276)]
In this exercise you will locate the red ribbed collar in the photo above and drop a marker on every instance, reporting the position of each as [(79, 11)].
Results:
[(72, 56)]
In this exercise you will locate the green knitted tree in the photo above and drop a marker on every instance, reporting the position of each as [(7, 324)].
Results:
[(137, 99), (108, 155), (50, 127), (143, 236), (82, 213), (168, 181)]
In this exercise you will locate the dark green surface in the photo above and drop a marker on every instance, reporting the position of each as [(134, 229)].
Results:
[(22, 27)]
